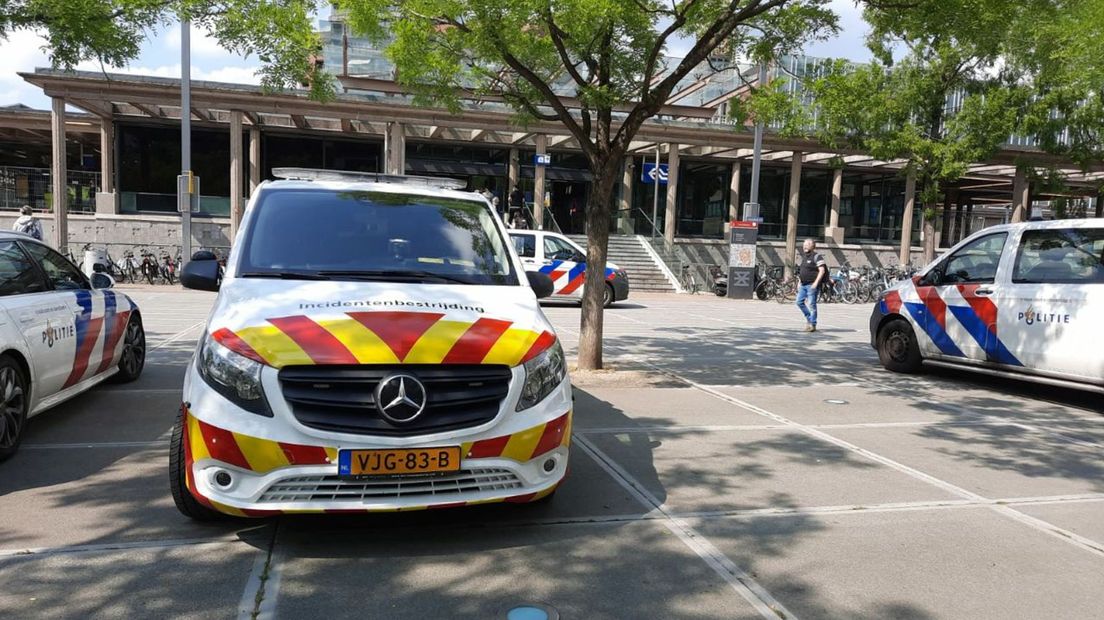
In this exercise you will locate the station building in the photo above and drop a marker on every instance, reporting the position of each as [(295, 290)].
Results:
[(111, 144)]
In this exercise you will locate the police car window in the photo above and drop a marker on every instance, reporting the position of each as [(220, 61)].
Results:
[(974, 262), (526, 245), (1067, 255), (361, 235), (18, 274), (557, 249), (60, 273)]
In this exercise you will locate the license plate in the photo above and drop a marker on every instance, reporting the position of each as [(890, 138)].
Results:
[(398, 462)]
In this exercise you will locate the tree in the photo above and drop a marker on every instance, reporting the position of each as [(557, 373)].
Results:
[(611, 52)]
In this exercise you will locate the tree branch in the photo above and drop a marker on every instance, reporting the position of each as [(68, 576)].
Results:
[(557, 37)]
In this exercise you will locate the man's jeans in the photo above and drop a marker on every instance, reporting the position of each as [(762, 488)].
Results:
[(810, 292)]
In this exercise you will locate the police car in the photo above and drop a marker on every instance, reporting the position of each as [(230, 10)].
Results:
[(564, 262), (60, 335), (376, 345), (1018, 300)]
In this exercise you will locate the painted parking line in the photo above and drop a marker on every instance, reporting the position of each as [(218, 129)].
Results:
[(1092, 546), (737, 578), (674, 429), (116, 546), (262, 589), (164, 443)]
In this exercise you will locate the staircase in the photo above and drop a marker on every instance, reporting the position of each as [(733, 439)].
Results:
[(628, 253)]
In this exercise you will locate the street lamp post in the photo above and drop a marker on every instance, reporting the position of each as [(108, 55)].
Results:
[(757, 155), (186, 188), (655, 195)]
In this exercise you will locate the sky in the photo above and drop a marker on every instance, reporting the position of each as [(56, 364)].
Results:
[(160, 56)]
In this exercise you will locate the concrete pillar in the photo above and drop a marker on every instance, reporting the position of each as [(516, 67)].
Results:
[(733, 197), (395, 157), (538, 183), (1021, 190), (958, 233), (905, 254), (105, 198), (833, 232), (254, 158), (59, 174), (670, 219), (236, 181), (791, 212), (967, 225), (513, 173)]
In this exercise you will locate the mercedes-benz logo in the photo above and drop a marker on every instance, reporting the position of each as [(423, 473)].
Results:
[(400, 398)]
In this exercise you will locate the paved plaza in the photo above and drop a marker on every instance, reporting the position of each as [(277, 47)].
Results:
[(730, 466)]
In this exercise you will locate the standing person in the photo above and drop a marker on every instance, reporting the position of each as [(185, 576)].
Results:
[(28, 224), (518, 221), (811, 273), (517, 198)]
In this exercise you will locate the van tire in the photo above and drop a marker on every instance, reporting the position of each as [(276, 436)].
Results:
[(182, 497), (897, 347), (607, 296)]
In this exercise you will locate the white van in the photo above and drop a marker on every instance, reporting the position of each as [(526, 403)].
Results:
[(376, 345), (1017, 300)]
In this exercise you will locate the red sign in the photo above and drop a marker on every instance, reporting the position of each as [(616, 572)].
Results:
[(739, 224)]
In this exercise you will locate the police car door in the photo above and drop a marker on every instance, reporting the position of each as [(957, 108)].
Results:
[(1054, 300), (564, 264), (79, 350), (526, 246), (956, 308), (39, 315)]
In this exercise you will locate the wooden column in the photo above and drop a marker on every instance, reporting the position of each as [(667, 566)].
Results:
[(833, 232), (513, 173), (624, 209), (792, 211), (905, 255), (1021, 190), (396, 149), (670, 218), (733, 196), (254, 158), (59, 174), (107, 155), (236, 181), (538, 183)]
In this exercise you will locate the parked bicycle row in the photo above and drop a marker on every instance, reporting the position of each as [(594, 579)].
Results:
[(150, 265), (845, 284)]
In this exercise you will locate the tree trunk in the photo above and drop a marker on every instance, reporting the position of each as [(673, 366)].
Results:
[(1100, 204), (929, 236), (598, 213)]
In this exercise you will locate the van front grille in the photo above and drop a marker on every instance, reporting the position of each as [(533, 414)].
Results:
[(431, 488)]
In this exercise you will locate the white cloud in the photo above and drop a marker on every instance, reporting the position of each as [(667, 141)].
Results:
[(22, 52), (201, 43), (231, 74)]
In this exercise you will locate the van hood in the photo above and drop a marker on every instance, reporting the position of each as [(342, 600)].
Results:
[(285, 322)]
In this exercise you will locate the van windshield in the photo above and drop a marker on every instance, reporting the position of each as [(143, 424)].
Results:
[(361, 235)]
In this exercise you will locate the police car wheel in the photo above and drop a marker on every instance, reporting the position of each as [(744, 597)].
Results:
[(133, 359), (14, 390), (897, 348), (182, 497), (607, 296)]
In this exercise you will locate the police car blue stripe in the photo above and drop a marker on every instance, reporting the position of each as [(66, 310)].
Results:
[(547, 269), (933, 329), (576, 271), (994, 348)]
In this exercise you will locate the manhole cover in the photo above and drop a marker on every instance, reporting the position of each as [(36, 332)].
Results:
[(532, 611), (835, 401)]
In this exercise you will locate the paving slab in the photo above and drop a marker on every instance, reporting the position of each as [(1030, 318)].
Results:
[(55, 498), (992, 461), (913, 565), (636, 407), (615, 571), (1082, 518), (182, 582), (107, 414), (739, 470)]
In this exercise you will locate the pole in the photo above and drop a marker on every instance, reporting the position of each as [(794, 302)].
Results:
[(757, 155), (655, 196), (186, 130)]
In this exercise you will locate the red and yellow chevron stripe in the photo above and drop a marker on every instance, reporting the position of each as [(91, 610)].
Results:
[(385, 338), (203, 440)]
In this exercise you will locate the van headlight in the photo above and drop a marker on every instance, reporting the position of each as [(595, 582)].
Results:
[(543, 374), (236, 377)]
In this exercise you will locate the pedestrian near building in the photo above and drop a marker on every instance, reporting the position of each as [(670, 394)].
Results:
[(812, 270), (28, 224)]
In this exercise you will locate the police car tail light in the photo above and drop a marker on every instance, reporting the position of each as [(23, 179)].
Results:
[(236, 377), (542, 374)]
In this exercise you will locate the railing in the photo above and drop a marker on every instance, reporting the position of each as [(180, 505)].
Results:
[(549, 218), (32, 186)]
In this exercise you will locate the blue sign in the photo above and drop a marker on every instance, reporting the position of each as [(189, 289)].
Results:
[(650, 173), (542, 159)]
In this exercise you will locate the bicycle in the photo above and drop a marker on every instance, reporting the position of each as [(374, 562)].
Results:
[(688, 281)]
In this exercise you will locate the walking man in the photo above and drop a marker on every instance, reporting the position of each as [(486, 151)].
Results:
[(813, 269)]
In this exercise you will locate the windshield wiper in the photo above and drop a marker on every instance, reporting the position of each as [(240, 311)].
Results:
[(391, 275), (285, 275)]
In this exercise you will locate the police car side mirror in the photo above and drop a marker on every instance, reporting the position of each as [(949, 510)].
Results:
[(540, 283), (201, 275), (101, 280)]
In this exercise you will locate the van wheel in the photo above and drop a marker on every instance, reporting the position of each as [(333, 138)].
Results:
[(133, 359), (897, 348), (185, 503), (607, 296), (14, 400)]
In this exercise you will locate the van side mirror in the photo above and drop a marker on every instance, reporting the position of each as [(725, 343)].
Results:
[(201, 275), (540, 283)]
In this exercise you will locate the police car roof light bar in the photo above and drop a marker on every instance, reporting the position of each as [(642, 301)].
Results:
[(314, 174)]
